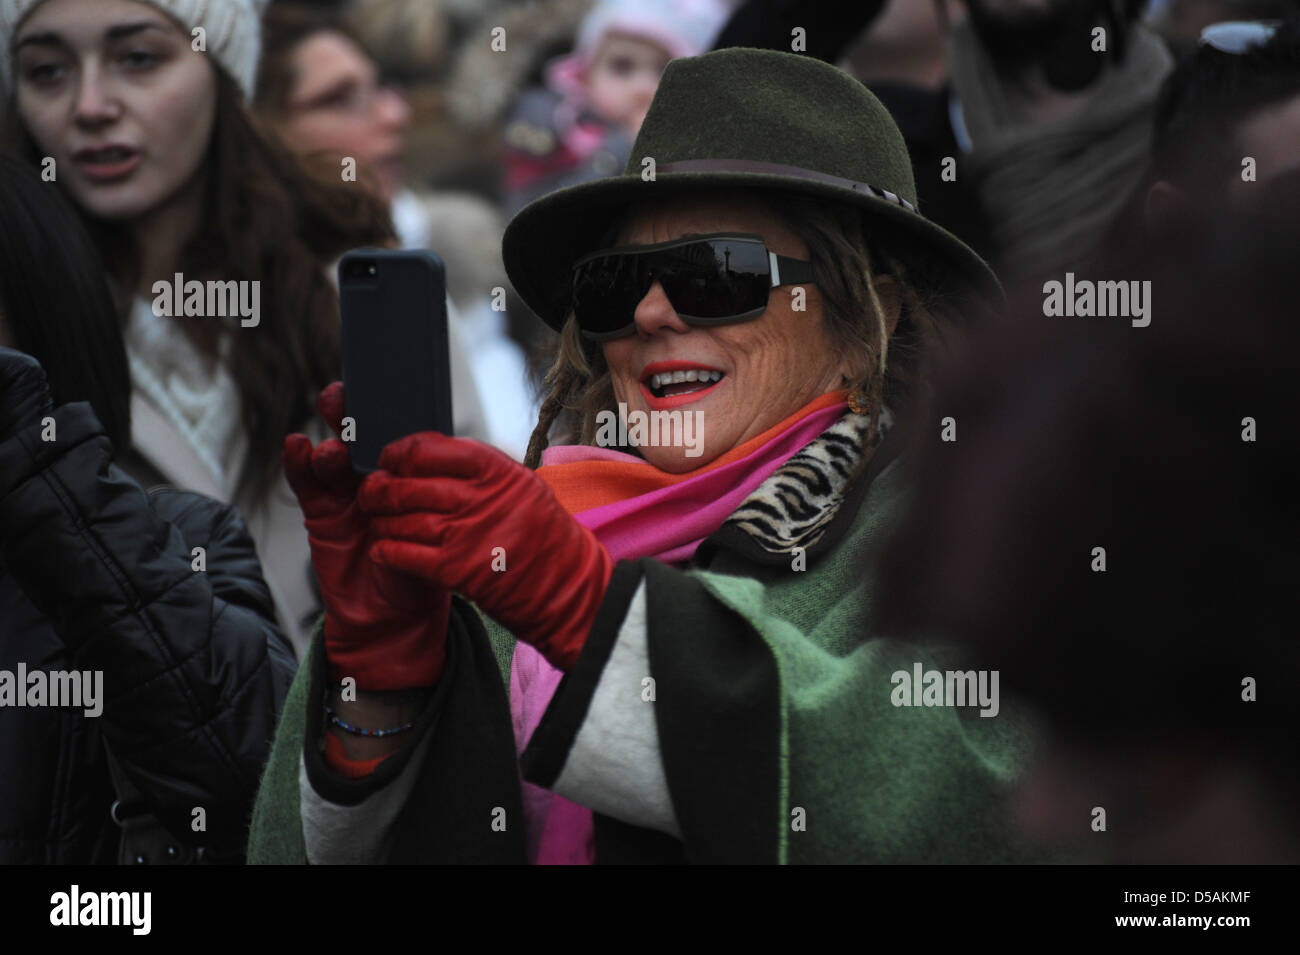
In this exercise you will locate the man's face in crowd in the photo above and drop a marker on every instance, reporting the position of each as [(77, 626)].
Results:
[(1014, 31)]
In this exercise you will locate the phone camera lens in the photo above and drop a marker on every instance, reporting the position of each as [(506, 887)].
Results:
[(361, 269)]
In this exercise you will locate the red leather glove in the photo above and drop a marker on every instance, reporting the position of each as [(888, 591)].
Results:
[(383, 628), (441, 506)]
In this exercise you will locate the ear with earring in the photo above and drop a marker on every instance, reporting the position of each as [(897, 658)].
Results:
[(857, 397)]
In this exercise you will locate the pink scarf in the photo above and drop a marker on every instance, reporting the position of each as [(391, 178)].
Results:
[(668, 524)]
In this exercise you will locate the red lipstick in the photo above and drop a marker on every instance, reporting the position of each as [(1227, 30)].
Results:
[(667, 402)]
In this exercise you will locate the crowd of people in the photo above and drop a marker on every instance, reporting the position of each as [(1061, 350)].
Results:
[(827, 231)]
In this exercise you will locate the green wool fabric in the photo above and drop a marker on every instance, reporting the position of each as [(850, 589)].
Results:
[(877, 783), (275, 834)]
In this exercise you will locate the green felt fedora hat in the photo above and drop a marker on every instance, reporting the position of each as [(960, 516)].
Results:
[(751, 120)]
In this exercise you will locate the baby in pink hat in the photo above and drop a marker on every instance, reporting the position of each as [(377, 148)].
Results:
[(582, 124)]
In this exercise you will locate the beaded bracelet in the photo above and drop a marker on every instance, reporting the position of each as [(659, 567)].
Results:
[(349, 728)]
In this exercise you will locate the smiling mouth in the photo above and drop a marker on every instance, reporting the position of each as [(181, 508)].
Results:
[(670, 384)]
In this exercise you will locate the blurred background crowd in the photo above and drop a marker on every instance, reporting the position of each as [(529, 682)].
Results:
[(1025, 144)]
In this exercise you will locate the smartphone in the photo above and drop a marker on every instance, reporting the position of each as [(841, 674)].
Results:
[(396, 372)]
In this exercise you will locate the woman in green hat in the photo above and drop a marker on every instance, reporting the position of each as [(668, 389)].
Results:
[(666, 628)]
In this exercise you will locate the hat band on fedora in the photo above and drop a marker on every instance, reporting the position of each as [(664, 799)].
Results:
[(778, 169)]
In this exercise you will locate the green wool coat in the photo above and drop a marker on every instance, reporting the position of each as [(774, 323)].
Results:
[(775, 707)]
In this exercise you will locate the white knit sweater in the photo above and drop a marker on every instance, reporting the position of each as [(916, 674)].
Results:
[(195, 392)]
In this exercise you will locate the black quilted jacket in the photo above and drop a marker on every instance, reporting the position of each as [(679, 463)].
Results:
[(95, 575)]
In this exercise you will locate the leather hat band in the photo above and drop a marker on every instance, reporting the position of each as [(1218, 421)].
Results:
[(778, 169)]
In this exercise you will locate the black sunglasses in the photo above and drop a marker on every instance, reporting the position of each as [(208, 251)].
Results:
[(712, 279)]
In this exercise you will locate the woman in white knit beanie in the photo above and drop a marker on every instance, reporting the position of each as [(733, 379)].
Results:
[(137, 111)]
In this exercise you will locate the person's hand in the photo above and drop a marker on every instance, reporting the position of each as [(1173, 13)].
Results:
[(385, 629), (24, 393), (467, 517)]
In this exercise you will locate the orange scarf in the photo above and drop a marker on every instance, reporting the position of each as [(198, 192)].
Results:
[(583, 485)]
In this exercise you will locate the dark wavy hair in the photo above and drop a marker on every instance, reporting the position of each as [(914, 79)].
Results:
[(55, 302), (267, 218)]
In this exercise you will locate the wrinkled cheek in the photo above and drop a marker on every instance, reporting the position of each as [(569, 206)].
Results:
[(619, 384), (720, 423), (620, 377)]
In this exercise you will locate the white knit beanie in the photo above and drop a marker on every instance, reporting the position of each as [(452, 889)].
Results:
[(233, 31)]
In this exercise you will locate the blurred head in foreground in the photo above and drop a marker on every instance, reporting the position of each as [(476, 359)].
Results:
[(1114, 530)]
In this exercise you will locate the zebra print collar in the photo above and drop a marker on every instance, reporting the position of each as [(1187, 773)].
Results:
[(795, 505)]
